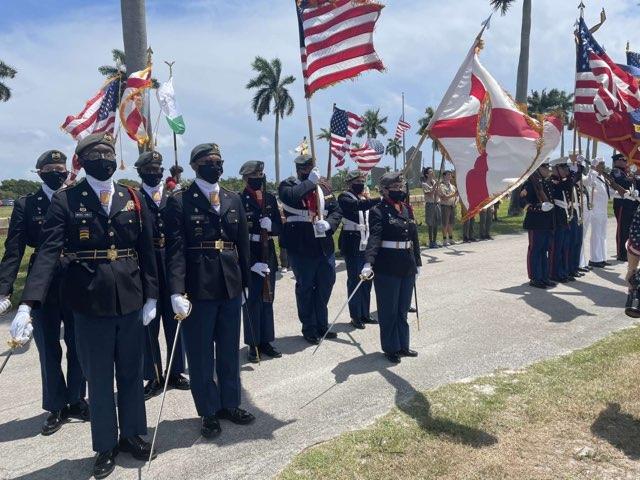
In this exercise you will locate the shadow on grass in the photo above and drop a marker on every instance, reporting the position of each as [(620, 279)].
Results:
[(621, 430)]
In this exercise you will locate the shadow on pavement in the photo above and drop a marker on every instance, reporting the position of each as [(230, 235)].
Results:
[(620, 429), (411, 402), (80, 469), (20, 429)]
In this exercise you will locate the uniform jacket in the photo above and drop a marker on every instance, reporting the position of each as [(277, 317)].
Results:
[(206, 274), (349, 240), (561, 189), (253, 210), (77, 222), (158, 231), (599, 192), (26, 223), (298, 237), (535, 218), (387, 224)]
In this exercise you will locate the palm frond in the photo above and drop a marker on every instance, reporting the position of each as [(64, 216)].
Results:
[(5, 93), (501, 6), (6, 71), (263, 107)]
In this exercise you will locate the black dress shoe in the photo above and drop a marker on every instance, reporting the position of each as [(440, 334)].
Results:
[(105, 463), (153, 388), (393, 357), (571, 278), (235, 415), (537, 284), (179, 382), (412, 310), (357, 323), (408, 353), (330, 335), (137, 447), (312, 339), (210, 427), (560, 280), (269, 351), (370, 320), (577, 274), (549, 283), (584, 269), (54, 422), (79, 410), (605, 264), (473, 239)]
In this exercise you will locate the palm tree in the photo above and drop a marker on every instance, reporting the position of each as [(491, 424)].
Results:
[(556, 102), (394, 148), (6, 72), (271, 88), (424, 122), (120, 69), (372, 124), (324, 135)]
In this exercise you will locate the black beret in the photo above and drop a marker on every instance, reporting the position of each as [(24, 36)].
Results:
[(303, 160), (51, 157), (355, 175), (391, 178), (204, 150), (94, 139), (618, 156), (251, 167), (148, 158)]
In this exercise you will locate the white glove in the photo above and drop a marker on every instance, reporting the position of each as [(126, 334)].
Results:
[(265, 223), (21, 327), (180, 305), (245, 295), (314, 175), (367, 271), (5, 305), (547, 206), (261, 268), (149, 311), (322, 226)]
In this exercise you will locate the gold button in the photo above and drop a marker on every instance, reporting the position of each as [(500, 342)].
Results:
[(162, 235), (111, 234), (109, 222), (84, 221), (113, 246), (121, 194), (84, 194), (130, 221)]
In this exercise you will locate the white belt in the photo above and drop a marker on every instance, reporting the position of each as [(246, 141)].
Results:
[(397, 245), (298, 212), (299, 218), (254, 237), (350, 225)]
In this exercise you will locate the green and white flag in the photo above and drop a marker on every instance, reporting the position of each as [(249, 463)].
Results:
[(167, 100)]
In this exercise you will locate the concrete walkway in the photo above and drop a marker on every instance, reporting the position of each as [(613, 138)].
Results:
[(478, 315)]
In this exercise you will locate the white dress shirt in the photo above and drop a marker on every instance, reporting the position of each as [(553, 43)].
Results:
[(154, 190), (47, 191), (99, 186), (207, 189)]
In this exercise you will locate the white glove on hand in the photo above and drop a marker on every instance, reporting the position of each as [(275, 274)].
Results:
[(322, 226), (5, 305), (149, 311), (265, 223), (21, 327), (245, 295), (314, 175), (180, 305), (261, 268), (547, 206), (367, 271)]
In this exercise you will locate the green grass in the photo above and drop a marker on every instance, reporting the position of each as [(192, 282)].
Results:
[(529, 424)]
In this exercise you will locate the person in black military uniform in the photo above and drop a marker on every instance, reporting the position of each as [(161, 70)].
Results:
[(536, 196), (154, 195), (577, 216), (208, 260), (265, 224), (561, 186), (355, 205), (105, 233), (393, 255), (312, 216), (63, 399), (625, 202)]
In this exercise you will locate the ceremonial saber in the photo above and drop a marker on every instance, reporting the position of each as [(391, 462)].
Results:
[(253, 336), (6, 359), (180, 319), (362, 280), (13, 345)]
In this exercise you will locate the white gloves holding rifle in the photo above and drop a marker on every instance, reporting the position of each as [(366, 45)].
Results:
[(5, 305), (181, 306), (260, 268), (149, 311), (21, 328), (265, 223)]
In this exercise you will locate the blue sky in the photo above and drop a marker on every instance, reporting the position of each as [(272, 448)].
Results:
[(57, 46)]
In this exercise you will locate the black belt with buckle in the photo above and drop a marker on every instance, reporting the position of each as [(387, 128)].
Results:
[(213, 245), (159, 242), (110, 254)]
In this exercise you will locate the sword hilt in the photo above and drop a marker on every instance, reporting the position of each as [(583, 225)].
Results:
[(179, 317), (13, 344)]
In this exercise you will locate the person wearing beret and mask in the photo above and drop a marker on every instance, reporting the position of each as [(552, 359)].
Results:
[(561, 187), (312, 216), (62, 398), (104, 233), (355, 205), (393, 255), (208, 274), (154, 195)]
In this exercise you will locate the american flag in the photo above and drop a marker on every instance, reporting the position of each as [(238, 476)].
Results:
[(605, 96), (336, 40), (633, 64), (368, 156), (343, 125), (401, 128), (131, 108), (98, 115)]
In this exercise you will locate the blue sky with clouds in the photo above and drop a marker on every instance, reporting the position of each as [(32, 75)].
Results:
[(57, 46)]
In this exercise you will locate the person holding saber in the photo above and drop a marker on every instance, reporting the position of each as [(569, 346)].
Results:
[(393, 255)]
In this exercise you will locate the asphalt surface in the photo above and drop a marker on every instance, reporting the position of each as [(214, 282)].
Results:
[(478, 314)]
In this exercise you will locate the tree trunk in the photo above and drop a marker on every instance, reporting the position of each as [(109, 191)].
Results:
[(523, 61), (277, 147), (395, 163), (562, 141)]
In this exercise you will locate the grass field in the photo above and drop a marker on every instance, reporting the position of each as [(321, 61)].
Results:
[(576, 417)]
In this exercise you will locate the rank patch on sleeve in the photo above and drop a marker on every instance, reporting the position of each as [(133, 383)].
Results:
[(84, 233)]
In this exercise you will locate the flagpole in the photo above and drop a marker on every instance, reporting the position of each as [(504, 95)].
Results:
[(404, 148), (329, 161)]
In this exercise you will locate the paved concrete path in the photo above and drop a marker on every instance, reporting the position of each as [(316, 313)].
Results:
[(478, 315)]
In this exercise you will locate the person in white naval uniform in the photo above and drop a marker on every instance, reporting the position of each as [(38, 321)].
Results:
[(599, 194)]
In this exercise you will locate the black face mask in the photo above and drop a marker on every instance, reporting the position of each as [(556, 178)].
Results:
[(151, 179), (101, 169), (303, 176), (397, 195), (255, 183), (54, 180), (357, 188), (210, 172)]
